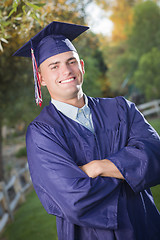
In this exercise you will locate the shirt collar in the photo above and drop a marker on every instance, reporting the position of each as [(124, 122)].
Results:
[(70, 110)]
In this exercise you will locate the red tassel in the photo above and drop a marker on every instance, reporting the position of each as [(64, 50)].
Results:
[(38, 94)]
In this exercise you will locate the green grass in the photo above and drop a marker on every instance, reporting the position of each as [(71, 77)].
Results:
[(22, 152), (156, 195), (31, 222), (155, 124)]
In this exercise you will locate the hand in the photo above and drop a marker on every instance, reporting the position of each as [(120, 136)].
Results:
[(103, 168), (91, 168)]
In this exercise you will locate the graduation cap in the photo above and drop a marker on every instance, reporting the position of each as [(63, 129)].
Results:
[(54, 39)]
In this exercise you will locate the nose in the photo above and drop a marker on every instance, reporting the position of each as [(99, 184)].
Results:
[(66, 69)]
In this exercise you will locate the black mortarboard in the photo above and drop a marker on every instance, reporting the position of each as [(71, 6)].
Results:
[(54, 39)]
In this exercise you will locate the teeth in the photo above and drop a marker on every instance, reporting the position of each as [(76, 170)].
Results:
[(68, 80)]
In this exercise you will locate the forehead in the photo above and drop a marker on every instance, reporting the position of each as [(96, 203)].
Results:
[(62, 57)]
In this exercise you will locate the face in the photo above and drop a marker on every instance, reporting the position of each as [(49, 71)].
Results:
[(63, 75)]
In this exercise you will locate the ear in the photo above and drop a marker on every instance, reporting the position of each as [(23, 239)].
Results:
[(42, 81), (82, 66)]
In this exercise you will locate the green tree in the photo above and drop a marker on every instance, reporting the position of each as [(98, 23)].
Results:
[(17, 15), (116, 67), (145, 32), (116, 46), (147, 75), (142, 37)]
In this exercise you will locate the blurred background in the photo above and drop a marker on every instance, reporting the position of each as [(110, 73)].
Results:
[(121, 52)]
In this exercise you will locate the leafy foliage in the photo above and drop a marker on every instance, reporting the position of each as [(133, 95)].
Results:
[(144, 47), (133, 59), (17, 15), (148, 71), (113, 49), (145, 32), (122, 18)]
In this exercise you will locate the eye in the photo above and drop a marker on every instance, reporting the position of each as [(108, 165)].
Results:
[(72, 62), (54, 67)]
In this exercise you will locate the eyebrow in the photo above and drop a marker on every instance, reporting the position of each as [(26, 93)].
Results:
[(55, 63), (72, 58)]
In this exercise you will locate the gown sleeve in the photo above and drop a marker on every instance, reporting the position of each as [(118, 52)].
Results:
[(139, 160), (63, 188)]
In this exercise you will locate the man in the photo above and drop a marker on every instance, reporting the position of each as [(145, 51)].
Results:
[(92, 161)]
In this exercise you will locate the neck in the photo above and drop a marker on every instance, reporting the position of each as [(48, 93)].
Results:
[(77, 101)]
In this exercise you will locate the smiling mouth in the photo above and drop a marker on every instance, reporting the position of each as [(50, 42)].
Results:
[(67, 80)]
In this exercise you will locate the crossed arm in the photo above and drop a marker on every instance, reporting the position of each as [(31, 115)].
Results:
[(104, 168)]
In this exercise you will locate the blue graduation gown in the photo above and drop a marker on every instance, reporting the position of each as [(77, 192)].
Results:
[(100, 208)]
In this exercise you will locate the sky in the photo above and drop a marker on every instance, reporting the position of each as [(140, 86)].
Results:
[(98, 20)]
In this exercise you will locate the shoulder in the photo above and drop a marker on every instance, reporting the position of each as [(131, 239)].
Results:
[(47, 115), (119, 104), (46, 123), (116, 109)]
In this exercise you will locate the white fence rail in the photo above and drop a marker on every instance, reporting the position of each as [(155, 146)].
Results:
[(12, 193), (150, 108)]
